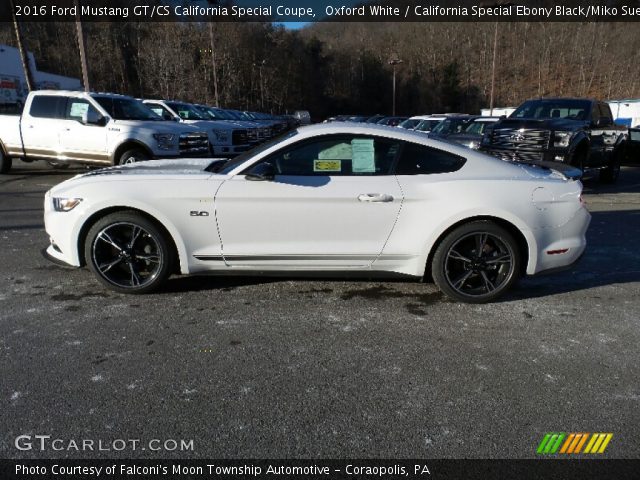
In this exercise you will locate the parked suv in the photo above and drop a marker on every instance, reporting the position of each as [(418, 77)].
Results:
[(560, 133)]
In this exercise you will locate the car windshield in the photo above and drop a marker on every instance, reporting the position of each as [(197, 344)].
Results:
[(427, 125), (563, 108), (186, 111), (122, 108), (220, 114), (449, 126), (229, 165), (410, 123), (476, 127)]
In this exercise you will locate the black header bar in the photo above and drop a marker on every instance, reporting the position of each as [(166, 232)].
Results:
[(315, 11)]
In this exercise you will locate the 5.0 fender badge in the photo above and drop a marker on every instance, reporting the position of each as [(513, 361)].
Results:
[(196, 213)]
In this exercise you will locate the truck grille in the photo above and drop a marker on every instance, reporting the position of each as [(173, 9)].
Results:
[(520, 137), (252, 135), (517, 155), (239, 137), (196, 143), (264, 133)]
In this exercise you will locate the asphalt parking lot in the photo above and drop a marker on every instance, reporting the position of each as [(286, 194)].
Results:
[(281, 368)]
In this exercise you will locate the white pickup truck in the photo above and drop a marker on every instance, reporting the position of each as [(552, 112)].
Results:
[(227, 139), (64, 127)]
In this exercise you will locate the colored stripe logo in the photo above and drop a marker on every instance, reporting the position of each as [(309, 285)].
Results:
[(573, 443)]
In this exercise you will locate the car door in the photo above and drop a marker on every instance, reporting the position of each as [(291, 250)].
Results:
[(79, 141), (633, 146), (331, 204), (601, 128), (40, 126)]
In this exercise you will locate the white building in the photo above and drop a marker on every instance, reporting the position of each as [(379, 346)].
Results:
[(497, 112), (626, 112), (13, 86)]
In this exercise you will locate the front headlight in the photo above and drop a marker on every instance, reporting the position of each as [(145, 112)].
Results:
[(61, 204), (165, 140), (561, 139), (221, 135)]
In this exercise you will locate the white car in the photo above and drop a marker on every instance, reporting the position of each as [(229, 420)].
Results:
[(337, 197)]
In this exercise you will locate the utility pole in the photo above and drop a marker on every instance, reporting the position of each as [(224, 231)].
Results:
[(260, 66), (28, 75), (83, 55), (213, 64), (394, 62), (493, 68)]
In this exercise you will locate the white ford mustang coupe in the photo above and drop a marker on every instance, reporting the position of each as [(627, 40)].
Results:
[(332, 198)]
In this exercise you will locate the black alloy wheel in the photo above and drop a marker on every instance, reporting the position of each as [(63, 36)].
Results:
[(476, 263), (128, 253)]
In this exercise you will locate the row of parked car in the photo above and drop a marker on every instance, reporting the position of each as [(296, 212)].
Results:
[(456, 127), (570, 135), (64, 127)]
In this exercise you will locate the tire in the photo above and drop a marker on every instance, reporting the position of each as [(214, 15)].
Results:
[(463, 275), (133, 156), (611, 172), (129, 253), (579, 160), (5, 162)]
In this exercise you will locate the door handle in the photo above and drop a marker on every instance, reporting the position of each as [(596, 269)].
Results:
[(375, 197)]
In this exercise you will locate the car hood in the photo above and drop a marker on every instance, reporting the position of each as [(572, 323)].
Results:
[(180, 166), (543, 123)]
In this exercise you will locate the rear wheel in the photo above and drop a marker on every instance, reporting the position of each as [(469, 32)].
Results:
[(133, 156), (5, 162), (476, 263), (128, 253)]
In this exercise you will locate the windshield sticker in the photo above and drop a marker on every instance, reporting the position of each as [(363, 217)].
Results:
[(78, 109), (327, 165), (363, 155)]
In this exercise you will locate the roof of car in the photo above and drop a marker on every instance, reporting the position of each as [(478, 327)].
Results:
[(486, 119), (361, 128)]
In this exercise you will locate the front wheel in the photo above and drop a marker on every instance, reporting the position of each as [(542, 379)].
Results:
[(5, 162), (133, 156), (128, 253), (476, 263)]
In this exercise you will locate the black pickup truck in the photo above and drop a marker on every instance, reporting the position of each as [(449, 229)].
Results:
[(560, 133)]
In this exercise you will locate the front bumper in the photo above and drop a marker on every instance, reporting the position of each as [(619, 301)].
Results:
[(61, 228), (229, 150)]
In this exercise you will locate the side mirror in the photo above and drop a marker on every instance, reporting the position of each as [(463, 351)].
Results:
[(91, 117), (261, 172)]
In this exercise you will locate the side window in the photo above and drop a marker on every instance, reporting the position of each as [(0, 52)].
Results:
[(421, 160), (160, 110), (77, 107), (48, 106), (605, 112), (337, 155)]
